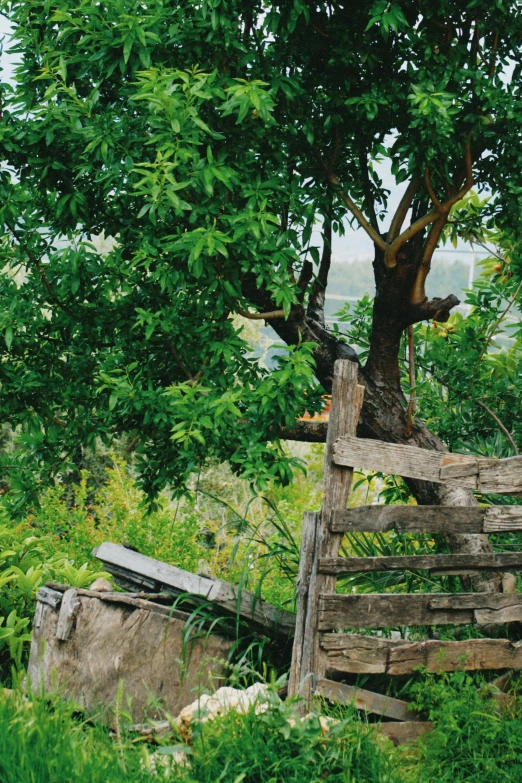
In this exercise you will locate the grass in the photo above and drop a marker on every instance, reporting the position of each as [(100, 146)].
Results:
[(50, 741)]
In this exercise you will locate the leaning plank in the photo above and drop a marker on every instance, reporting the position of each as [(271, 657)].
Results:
[(337, 612), (486, 475), (365, 700), (69, 609), (354, 654), (443, 564), (427, 519), (404, 732), (272, 620)]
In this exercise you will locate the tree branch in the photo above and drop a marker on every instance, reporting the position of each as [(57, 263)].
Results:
[(317, 295), (261, 316), (502, 427), (390, 258), (402, 210), (352, 206), (366, 183)]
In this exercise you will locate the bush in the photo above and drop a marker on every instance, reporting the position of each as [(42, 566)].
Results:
[(471, 742), (27, 562)]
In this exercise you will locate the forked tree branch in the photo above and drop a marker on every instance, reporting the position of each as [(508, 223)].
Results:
[(352, 206), (402, 210), (390, 258)]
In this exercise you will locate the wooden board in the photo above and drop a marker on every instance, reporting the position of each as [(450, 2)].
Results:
[(365, 700), (442, 564), (338, 612), (486, 475), (158, 662), (157, 575), (356, 654), (427, 519)]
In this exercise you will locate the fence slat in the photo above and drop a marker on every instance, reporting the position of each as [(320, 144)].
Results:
[(427, 519), (502, 476), (355, 654), (443, 564), (339, 612), (365, 700)]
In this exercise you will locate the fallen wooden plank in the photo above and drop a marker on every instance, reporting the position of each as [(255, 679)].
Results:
[(355, 654), (338, 612), (270, 619), (365, 700), (427, 519), (443, 564), (503, 476), (404, 732)]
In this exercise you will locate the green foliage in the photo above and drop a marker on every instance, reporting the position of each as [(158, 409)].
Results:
[(26, 562), (277, 746), (163, 175), (468, 369), (46, 741), (472, 741)]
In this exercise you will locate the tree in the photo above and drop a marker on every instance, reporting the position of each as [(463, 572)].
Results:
[(209, 138)]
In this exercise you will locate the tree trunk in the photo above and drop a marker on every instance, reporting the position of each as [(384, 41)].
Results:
[(384, 413)]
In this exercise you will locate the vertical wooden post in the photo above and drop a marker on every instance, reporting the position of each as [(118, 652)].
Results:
[(308, 662)]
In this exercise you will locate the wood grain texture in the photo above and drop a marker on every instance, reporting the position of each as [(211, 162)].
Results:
[(443, 564), (148, 571), (355, 654), (365, 700), (300, 682), (503, 476), (69, 609), (123, 642), (427, 519), (338, 612)]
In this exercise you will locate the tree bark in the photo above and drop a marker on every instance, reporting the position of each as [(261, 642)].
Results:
[(384, 413)]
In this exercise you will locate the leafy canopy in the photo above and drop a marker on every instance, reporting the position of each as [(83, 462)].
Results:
[(203, 137)]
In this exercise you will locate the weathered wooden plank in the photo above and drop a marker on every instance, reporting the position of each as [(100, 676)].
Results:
[(409, 519), (365, 700), (272, 620), (500, 519), (443, 564), (408, 461), (344, 415), (303, 639), (338, 612), (50, 596), (503, 476), (69, 609), (427, 519), (355, 654), (404, 732)]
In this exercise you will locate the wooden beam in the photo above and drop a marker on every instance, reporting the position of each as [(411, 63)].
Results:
[(368, 701), (308, 659), (427, 519), (273, 621), (340, 612), (442, 564), (355, 654), (486, 475)]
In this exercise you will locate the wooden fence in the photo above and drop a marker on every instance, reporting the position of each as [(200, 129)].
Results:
[(323, 646)]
